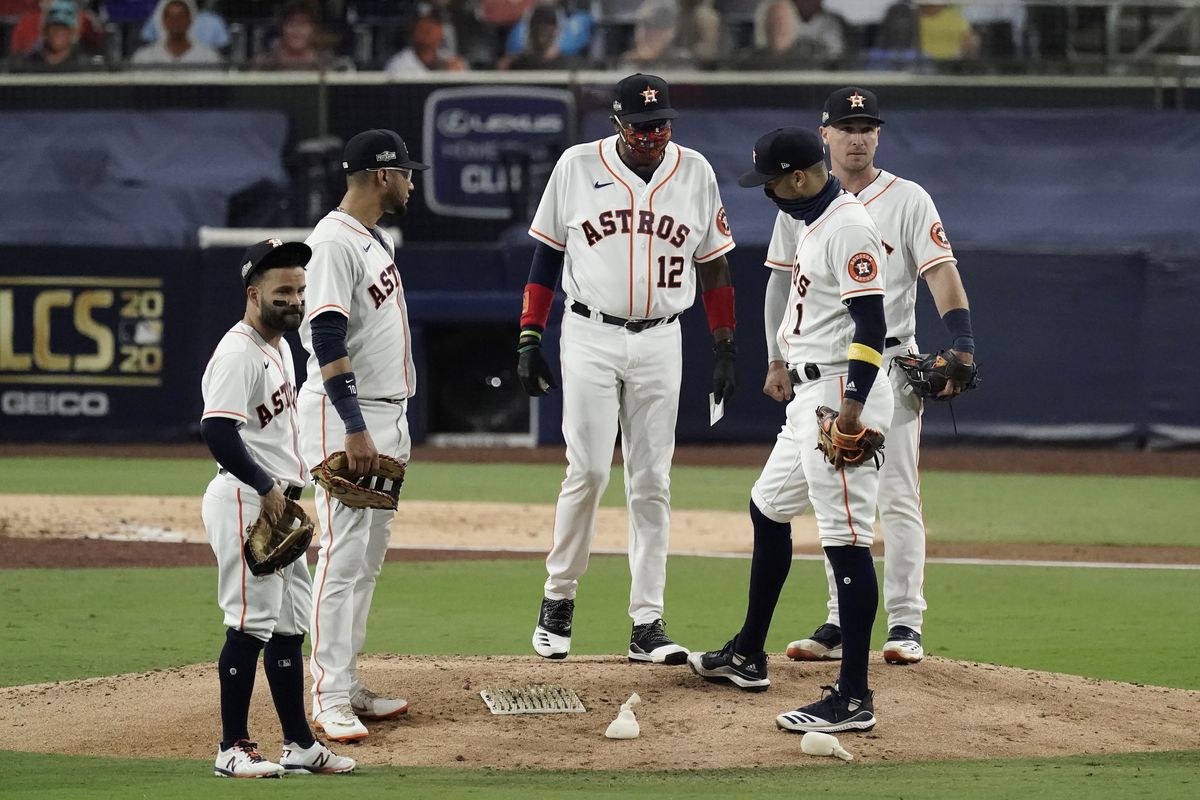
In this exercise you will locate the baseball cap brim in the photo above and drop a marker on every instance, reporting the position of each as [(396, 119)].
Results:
[(646, 116), (288, 254), (871, 117), (755, 178)]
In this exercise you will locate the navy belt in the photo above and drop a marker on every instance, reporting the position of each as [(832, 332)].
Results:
[(290, 492), (632, 325), (811, 373)]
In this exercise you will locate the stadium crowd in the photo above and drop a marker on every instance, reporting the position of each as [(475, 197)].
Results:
[(411, 37)]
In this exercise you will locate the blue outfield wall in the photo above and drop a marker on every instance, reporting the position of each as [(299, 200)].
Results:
[(109, 344)]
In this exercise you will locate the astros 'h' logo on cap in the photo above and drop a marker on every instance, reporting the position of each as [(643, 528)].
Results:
[(275, 242), (856, 100), (650, 95)]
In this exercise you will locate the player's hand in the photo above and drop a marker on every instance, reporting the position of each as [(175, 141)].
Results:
[(848, 421), (779, 384), (273, 503), (532, 369), (953, 388), (724, 370), (361, 453)]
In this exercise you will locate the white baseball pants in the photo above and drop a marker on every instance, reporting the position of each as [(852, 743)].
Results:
[(611, 376), (352, 546)]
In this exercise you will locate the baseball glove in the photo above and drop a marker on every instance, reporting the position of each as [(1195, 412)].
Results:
[(378, 490), (271, 546), (928, 374), (842, 450)]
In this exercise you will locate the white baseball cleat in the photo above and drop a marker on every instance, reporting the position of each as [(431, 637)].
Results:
[(373, 708), (339, 724), (242, 760), (316, 759), (903, 646), (824, 645)]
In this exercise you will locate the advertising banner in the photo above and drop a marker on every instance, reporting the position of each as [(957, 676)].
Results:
[(492, 148), (90, 344)]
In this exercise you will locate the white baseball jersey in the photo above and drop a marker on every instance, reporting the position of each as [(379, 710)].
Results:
[(353, 272), (632, 243), (835, 259), (913, 240), (253, 383)]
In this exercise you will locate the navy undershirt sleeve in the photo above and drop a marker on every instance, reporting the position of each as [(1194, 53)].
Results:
[(226, 445), (329, 337), (547, 263), (870, 328)]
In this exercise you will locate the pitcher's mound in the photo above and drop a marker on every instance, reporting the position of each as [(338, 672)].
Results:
[(938, 709)]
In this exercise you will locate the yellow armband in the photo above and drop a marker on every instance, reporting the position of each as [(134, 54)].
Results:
[(860, 352)]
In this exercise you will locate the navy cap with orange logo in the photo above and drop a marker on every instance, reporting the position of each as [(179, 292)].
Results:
[(850, 103), (642, 98)]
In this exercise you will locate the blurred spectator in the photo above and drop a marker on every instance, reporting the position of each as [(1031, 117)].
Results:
[(1000, 25), (699, 29), (57, 51), (503, 14), (782, 51), (654, 35), (209, 29), (895, 42), (27, 33), (425, 51), (945, 34), (541, 50), (820, 35), (575, 26), (301, 44), (174, 44)]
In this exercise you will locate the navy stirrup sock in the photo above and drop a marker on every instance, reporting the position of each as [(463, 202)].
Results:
[(858, 600), (284, 665), (236, 668), (768, 573)]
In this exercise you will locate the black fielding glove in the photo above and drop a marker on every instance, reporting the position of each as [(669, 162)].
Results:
[(724, 372), (532, 368)]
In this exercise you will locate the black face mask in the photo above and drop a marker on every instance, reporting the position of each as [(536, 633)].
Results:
[(808, 208)]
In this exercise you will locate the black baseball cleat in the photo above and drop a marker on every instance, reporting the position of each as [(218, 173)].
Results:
[(649, 643), (745, 672), (831, 714), (824, 645), (552, 636)]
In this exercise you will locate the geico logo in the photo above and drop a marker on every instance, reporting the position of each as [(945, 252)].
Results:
[(460, 122), (54, 404)]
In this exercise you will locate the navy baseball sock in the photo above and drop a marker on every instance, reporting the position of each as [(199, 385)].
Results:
[(768, 572), (284, 666), (236, 668), (858, 600)]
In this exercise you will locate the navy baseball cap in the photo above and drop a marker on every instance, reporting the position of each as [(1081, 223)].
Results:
[(850, 103), (271, 253), (781, 151), (378, 148), (642, 98)]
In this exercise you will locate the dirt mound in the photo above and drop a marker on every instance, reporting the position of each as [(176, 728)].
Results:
[(939, 709)]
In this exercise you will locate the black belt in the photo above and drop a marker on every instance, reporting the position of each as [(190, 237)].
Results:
[(811, 373), (633, 325), (394, 401), (290, 492), (891, 341)]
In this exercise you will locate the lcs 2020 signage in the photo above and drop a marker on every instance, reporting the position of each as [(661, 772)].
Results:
[(483, 142)]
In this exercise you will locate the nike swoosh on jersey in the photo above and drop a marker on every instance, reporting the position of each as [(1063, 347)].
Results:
[(368, 247), (599, 185)]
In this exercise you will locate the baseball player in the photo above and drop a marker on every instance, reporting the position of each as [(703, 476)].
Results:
[(357, 334), (916, 246), (624, 219), (249, 424), (827, 311)]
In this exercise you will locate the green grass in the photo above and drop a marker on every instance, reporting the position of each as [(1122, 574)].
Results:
[(977, 507), (108, 621), (1161, 776)]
